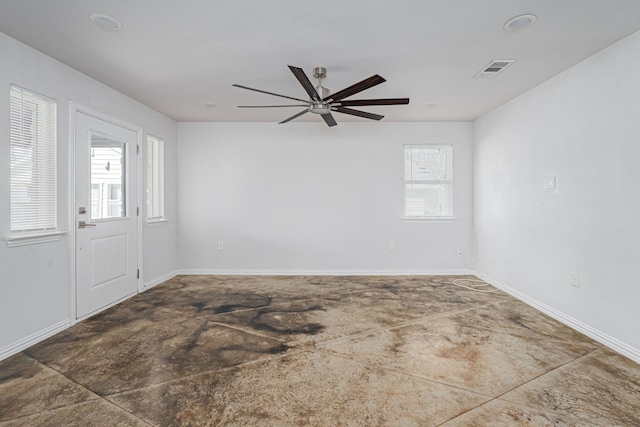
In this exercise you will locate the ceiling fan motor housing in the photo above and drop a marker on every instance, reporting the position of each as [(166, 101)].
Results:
[(320, 108)]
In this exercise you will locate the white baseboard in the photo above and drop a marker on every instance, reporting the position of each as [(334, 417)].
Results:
[(150, 284), (257, 272), (607, 340), (34, 338)]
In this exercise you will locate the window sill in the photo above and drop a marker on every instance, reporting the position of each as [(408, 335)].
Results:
[(418, 219), (156, 222), (33, 238)]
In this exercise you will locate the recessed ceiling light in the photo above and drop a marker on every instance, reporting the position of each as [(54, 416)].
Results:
[(519, 22), (210, 104), (105, 22)]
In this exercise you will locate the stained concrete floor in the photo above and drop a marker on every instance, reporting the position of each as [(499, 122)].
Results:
[(319, 351)]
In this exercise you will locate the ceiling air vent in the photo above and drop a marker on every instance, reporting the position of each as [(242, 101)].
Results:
[(494, 68)]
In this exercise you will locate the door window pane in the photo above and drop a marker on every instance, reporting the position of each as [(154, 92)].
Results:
[(108, 178)]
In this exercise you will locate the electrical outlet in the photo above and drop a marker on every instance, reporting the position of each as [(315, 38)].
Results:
[(460, 253), (221, 246), (574, 280), (392, 246)]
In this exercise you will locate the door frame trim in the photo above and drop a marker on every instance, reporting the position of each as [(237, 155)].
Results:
[(74, 109)]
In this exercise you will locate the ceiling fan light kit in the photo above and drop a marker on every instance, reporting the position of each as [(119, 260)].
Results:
[(323, 103), (320, 108)]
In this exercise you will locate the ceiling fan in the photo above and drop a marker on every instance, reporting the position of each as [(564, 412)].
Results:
[(323, 103)]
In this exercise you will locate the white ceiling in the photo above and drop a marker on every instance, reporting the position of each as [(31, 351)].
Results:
[(173, 55)]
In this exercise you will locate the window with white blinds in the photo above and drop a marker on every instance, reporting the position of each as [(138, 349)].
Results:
[(32, 161), (155, 178), (428, 183)]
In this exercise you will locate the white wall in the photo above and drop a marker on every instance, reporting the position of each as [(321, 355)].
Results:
[(35, 287), (583, 128), (302, 197)]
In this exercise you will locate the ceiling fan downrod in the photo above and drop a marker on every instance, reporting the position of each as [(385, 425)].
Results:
[(320, 107), (320, 73)]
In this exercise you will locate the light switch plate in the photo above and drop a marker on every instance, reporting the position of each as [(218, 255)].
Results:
[(549, 183)]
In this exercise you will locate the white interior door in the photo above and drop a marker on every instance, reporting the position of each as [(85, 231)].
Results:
[(106, 214)]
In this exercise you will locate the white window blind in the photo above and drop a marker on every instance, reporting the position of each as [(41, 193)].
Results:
[(33, 161), (155, 178), (428, 186)]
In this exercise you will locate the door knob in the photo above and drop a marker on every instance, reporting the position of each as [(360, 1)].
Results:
[(83, 224)]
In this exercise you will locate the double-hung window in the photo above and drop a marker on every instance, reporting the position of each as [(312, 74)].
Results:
[(428, 184), (32, 162), (155, 179)]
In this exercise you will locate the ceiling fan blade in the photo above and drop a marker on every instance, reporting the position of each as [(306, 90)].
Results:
[(294, 116), (304, 81), (358, 113), (328, 118), (362, 102), (274, 94), (358, 87), (271, 106)]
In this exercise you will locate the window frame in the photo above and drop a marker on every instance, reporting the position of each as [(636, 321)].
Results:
[(448, 181), (40, 225), (155, 180)]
